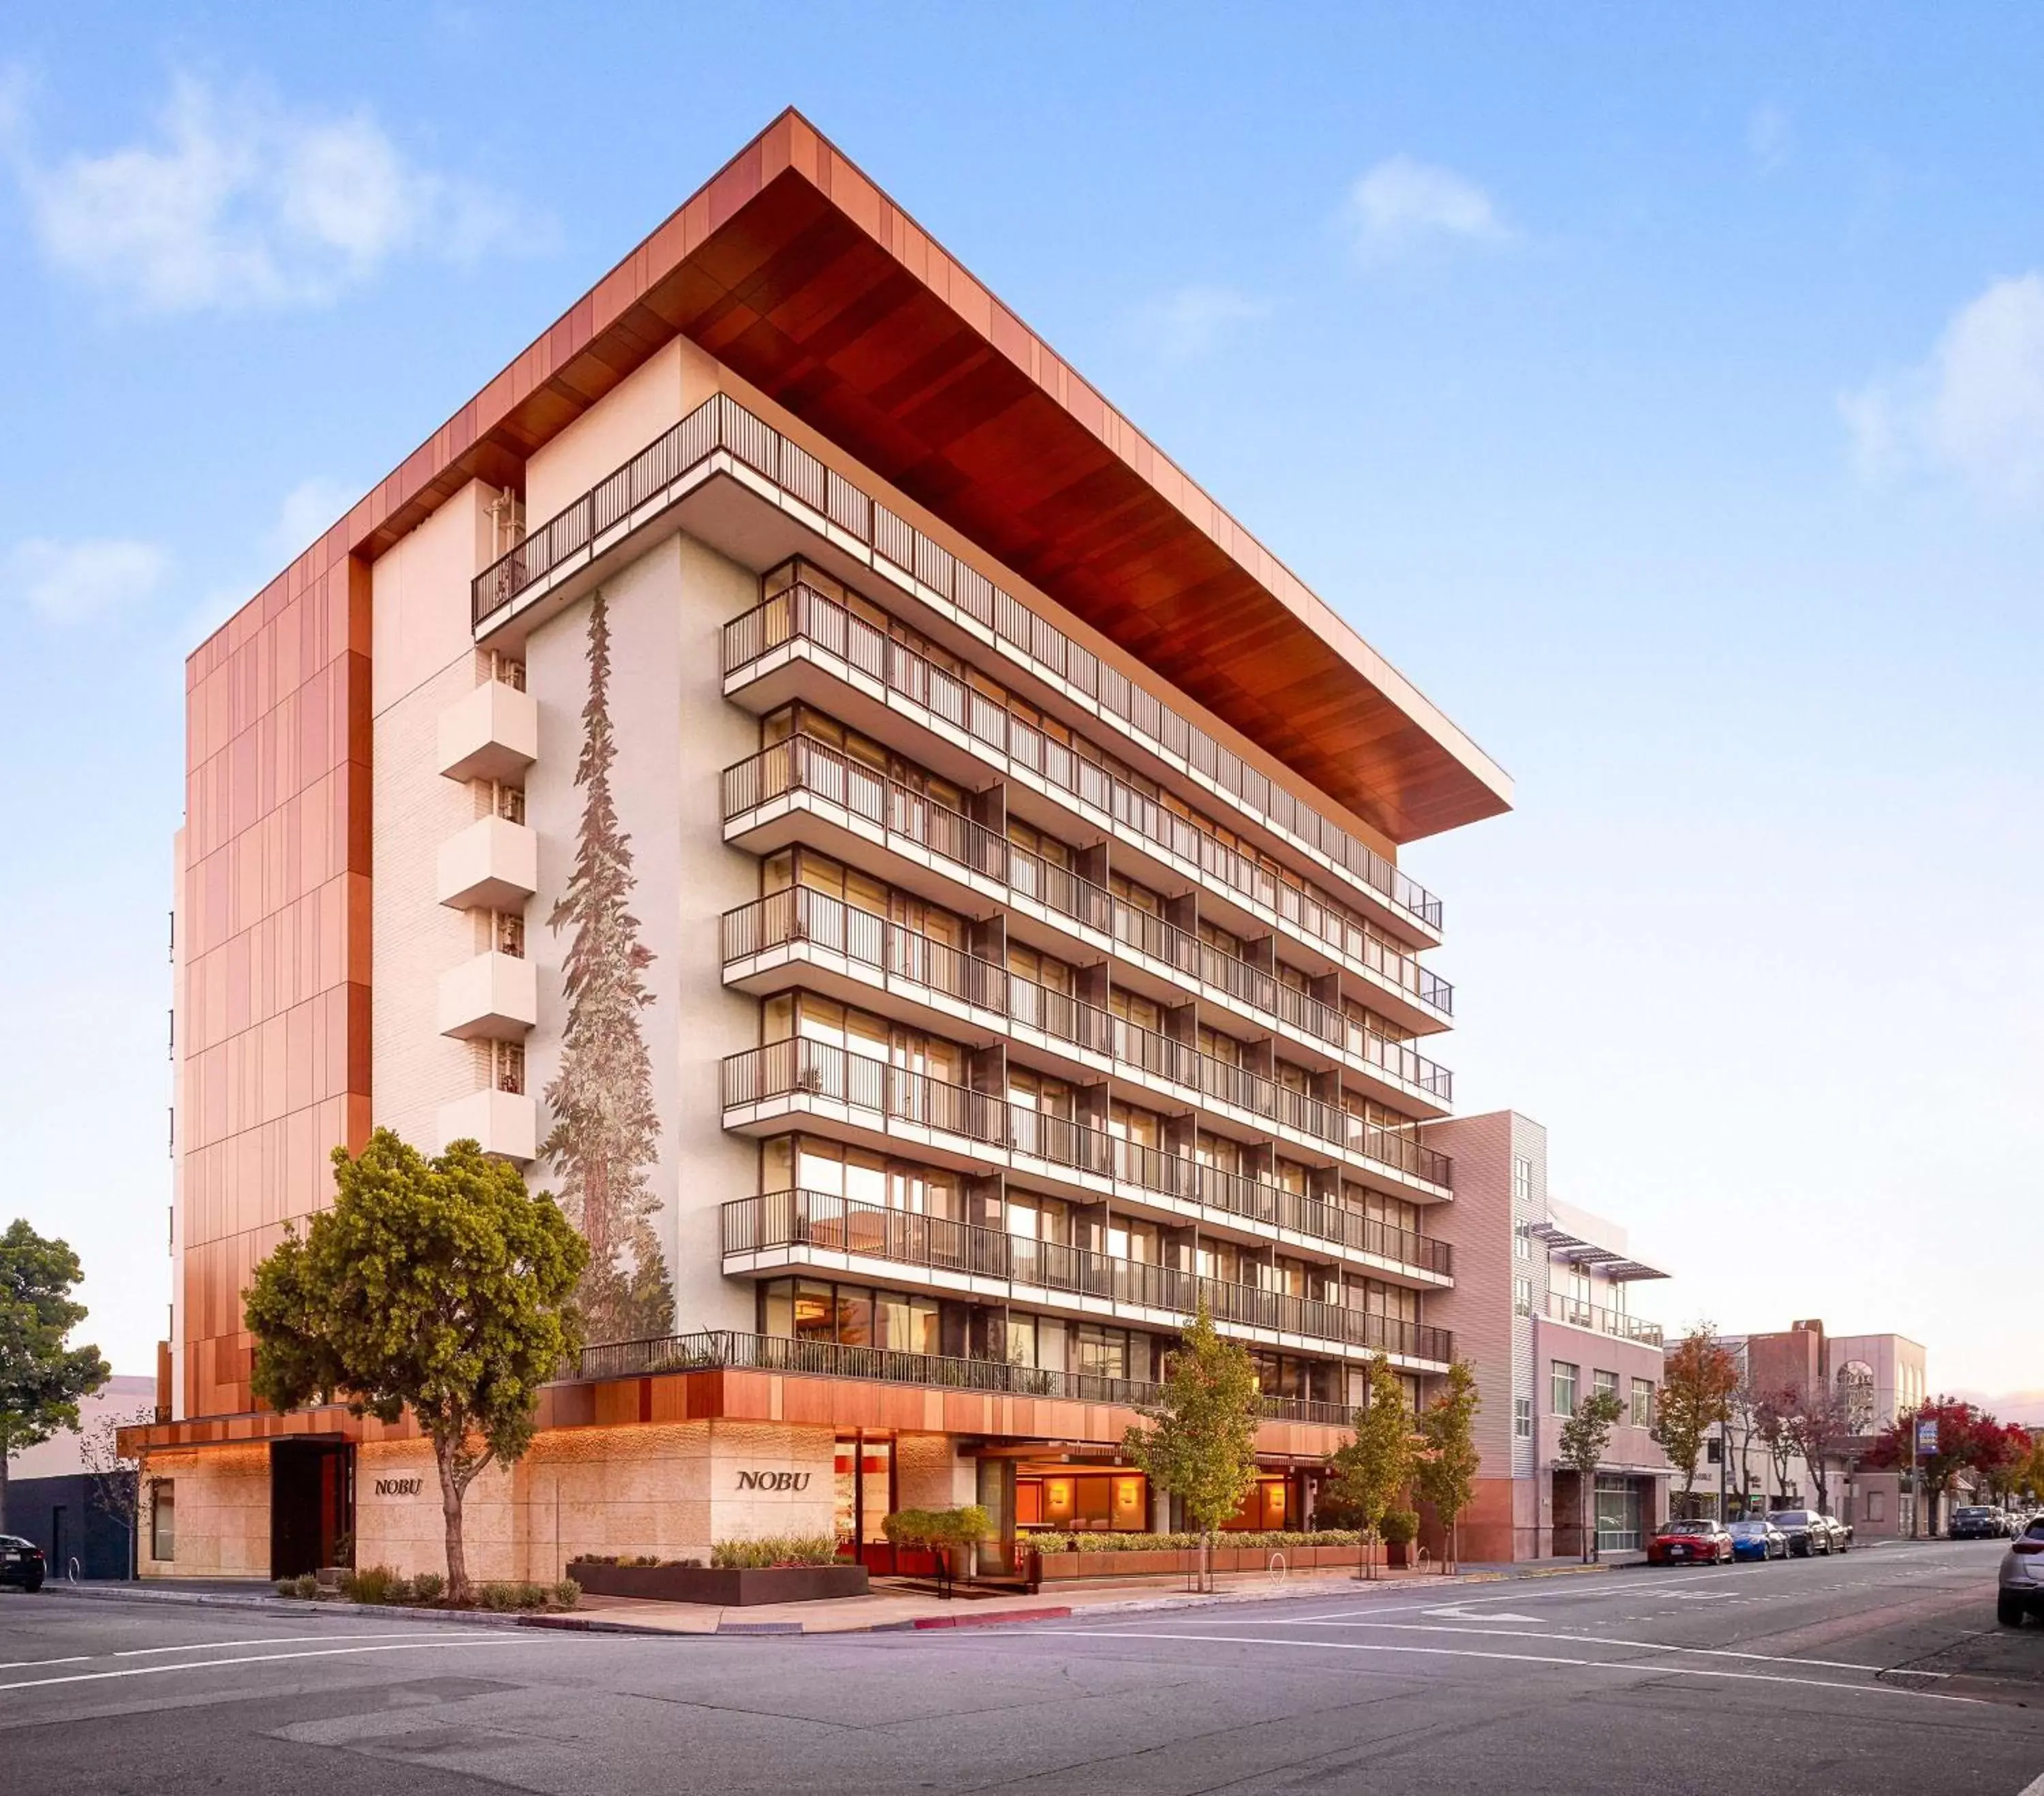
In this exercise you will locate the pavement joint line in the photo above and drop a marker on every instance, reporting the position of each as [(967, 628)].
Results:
[(1645, 1669), (273, 1639), (255, 1658)]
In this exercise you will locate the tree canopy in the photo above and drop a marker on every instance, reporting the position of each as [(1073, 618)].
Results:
[(1449, 1461), (1584, 1436), (1698, 1376), (438, 1286), (1369, 1472), (41, 1378)]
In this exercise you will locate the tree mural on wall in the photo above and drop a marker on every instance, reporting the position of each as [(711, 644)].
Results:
[(604, 1136)]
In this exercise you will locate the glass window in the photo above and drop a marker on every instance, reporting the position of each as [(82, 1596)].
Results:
[(1522, 1418), (1643, 1402), (1522, 1243), (163, 1519), (1606, 1382), (1521, 1296), (1562, 1397), (814, 1313), (1522, 1179)]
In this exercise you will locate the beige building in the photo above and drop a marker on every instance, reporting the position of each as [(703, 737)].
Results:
[(791, 767)]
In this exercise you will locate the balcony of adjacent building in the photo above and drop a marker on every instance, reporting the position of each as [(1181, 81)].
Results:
[(802, 932), (675, 481), (805, 789), (492, 995), (491, 732), (492, 864), (1599, 1318), (799, 1083), (785, 1231)]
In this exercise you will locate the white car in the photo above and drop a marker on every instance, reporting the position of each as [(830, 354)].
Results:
[(2021, 1587)]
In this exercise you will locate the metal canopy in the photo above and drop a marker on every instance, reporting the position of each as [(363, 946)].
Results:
[(1580, 1252)]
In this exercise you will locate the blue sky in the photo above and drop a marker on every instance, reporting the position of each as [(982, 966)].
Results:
[(1666, 399)]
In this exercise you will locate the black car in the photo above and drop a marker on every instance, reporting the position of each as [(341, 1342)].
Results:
[(21, 1563), (1976, 1521), (1808, 1533)]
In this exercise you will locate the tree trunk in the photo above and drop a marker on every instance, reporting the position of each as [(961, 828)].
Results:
[(1583, 1515), (451, 1501), (3, 1483)]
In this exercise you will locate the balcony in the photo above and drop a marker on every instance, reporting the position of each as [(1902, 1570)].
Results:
[(1601, 1321), (721, 1350), (490, 733), (661, 473), (762, 792), (766, 942), (505, 1124), (796, 1228), (493, 997), (766, 1089), (494, 864)]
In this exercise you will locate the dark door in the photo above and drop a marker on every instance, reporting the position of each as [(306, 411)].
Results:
[(311, 1504), (57, 1547)]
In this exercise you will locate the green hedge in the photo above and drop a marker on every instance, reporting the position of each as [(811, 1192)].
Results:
[(1277, 1541), (772, 1550)]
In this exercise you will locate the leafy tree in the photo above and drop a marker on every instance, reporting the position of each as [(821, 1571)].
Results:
[(41, 1379), (1449, 1462), (2028, 1477), (115, 1490), (438, 1286), (1199, 1439), (605, 1128), (1819, 1426), (1774, 1422), (1961, 1427), (1369, 1472), (2004, 1451), (1585, 1436), (1697, 1379), (1743, 1410)]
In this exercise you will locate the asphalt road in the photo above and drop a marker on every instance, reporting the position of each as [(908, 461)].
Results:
[(1880, 1671)]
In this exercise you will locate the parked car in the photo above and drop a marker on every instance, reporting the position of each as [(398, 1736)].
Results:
[(1691, 1542), (1758, 1538), (1841, 1533), (1975, 1521), (21, 1563), (2021, 1587), (1807, 1535)]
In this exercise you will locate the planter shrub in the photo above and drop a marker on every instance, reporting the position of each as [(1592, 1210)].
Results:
[(729, 1586)]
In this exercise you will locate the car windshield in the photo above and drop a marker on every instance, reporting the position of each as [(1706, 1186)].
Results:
[(1970, 1511), (1685, 1528), (1745, 1527), (1790, 1518)]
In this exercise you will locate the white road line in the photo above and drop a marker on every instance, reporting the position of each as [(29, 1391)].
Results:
[(1653, 1670), (271, 1639), (2034, 1787), (25, 1664), (1607, 1639), (1603, 1586), (256, 1659)]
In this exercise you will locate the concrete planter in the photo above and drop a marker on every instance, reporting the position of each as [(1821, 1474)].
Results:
[(728, 1589)]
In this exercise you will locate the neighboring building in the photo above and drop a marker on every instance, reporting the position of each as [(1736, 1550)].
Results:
[(917, 877), (124, 1398), (1542, 1307), (57, 1499), (1871, 1379)]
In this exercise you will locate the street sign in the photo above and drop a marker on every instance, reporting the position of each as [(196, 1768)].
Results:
[(1927, 1436)]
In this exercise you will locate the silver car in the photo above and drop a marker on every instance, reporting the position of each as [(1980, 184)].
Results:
[(2021, 1588)]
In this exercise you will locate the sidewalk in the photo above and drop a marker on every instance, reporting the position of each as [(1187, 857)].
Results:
[(888, 1607)]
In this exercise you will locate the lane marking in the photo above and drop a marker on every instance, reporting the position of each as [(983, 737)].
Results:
[(24, 1664), (1603, 1587), (1608, 1640), (256, 1659), (1651, 1670), (2034, 1787), (1451, 1614), (269, 1640)]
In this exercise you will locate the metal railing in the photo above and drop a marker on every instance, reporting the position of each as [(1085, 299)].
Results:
[(835, 1224), (800, 1067), (801, 915), (720, 1349), (803, 763), (719, 423), (1078, 768), (1615, 1322)]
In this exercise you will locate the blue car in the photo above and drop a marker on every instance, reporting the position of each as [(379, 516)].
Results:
[(1758, 1539)]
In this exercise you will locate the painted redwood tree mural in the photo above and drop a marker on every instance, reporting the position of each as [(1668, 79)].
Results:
[(603, 1139)]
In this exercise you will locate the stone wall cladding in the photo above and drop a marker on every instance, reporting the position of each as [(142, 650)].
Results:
[(223, 1513)]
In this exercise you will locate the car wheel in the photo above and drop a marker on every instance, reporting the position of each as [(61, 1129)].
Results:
[(2008, 1610), (32, 1584)]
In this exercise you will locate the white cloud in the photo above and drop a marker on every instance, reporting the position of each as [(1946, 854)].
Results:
[(305, 513), (1770, 138), (237, 203), (1973, 409), (1191, 322), (1401, 205), (77, 583)]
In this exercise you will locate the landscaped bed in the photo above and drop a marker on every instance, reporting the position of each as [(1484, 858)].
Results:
[(741, 1572), (379, 1585), (1065, 1557)]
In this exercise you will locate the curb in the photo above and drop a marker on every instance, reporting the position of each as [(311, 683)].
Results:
[(999, 1619)]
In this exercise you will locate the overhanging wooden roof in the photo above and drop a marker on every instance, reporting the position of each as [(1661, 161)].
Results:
[(795, 270)]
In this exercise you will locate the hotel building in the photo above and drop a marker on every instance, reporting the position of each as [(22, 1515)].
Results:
[(792, 769)]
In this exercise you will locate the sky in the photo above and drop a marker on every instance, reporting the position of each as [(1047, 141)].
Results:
[(1661, 390)]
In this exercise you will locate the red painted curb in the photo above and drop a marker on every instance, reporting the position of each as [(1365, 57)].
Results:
[(1001, 1619)]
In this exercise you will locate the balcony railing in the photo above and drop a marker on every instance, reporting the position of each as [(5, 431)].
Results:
[(802, 915), (816, 1219), (718, 1349), (799, 1067), (802, 763), (1562, 1308), (1078, 770), (719, 423)]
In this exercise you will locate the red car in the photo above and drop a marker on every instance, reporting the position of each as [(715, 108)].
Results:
[(1690, 1543)]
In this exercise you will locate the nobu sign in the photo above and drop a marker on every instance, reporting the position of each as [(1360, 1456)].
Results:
[(398, 1486), (773, 1480)]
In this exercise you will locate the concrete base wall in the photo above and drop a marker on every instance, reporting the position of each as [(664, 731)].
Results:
[(222, 1496)]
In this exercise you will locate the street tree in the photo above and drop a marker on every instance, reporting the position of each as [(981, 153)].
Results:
[(41, 1376), (1820, 1427), (1958, 1449), (1774, 1422), (1584, 1436), (439, 1285), (2003, 1456), (1449, 1461), (1369, 1473), (113, 1486), (1742, 1413), (1198, 1440), (1697, 1379)]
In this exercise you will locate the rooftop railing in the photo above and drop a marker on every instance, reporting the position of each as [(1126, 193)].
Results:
[(720, 423), (835, 1224), (801, 915), (803, 763), (720, 1349), (1561, 1308), (801, 1067)]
